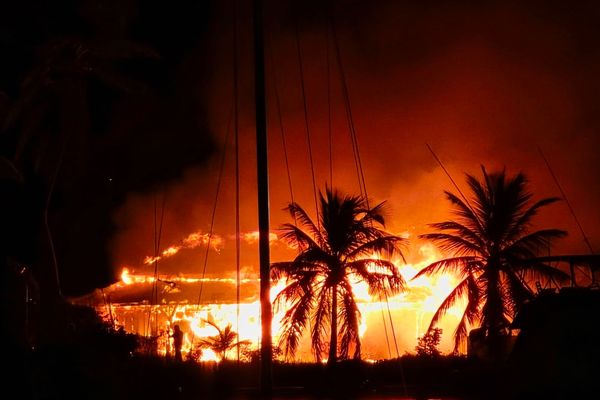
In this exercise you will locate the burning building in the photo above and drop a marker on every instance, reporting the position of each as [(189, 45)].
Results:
[(150, 306)]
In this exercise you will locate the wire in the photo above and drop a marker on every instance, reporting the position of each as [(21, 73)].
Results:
[(564, 196), (157, 236), (359, 167), (387, 339), (391, 324), (466, 200), (304, 102), (213, 213), (280, 120), (349, 115), (237, 172), (329, 119)]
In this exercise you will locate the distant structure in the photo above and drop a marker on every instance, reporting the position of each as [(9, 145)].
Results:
[(125, 303), (587, 265)]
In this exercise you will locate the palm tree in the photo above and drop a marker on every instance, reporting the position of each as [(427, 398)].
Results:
[(493, 252), (45, 141), (341, 247), (223, 341)]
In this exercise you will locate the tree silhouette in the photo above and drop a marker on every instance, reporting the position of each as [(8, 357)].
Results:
[(427, 344), (46, 140), (223, 341), (339, 248), (493, 252)]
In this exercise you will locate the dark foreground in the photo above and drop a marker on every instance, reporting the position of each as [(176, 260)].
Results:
[(556, 356), (71, 374)]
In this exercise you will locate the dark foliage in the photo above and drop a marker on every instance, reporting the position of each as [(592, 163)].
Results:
[(491, 248), (427, 344), (343, 244)]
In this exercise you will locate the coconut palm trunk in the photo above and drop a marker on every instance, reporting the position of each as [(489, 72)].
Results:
[(334, 330)]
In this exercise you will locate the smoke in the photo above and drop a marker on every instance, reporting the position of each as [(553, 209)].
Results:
[(483, 84)]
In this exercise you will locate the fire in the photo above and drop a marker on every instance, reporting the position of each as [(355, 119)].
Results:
[(411, 308), (125, 277), (209, 355), (129, 277), (252, 237), (192, 241), (420, 300)]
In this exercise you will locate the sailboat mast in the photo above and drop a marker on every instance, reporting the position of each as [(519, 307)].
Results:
[(266, 351)]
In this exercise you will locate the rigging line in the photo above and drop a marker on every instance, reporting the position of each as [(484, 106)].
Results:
[(280, 119), (148, 324), (282, 130), (466, 200), (304, 102), (402, 376), (585, 272), (214, 210), (358, 161), (349, 114), (237, 172), (387, 339), (359, 166), (46, 222), (157, 236), (212, 218), (391, 324), (329, 122), (162, 216), (564, 196)]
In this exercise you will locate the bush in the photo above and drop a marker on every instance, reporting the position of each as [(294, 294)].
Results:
[(429, 342)]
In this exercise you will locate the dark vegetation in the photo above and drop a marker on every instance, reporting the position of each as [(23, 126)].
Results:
[(555, 357), (427, 345), (492, 249), (86, 369), (339, 243)]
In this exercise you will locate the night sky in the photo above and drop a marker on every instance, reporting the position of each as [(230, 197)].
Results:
[(481, 82)]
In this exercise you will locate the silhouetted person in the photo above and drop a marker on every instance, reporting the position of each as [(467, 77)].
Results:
[(177, 342)]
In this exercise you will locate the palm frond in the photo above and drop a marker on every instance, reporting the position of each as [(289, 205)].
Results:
[(291, 292), (375, 214), (471, 314), (535, 270), (453, 265), (294, 322), (375, 280), (462, 231), (534, 242), (524, 220), (455, 295), (387, 245), (469, 216), (300, 214), (321, 316), (295, 236), (517, 293), (452, 243), (349, 316)]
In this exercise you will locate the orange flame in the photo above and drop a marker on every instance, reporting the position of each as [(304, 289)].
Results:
[(413, 307), (192, 241), (252, 237)]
